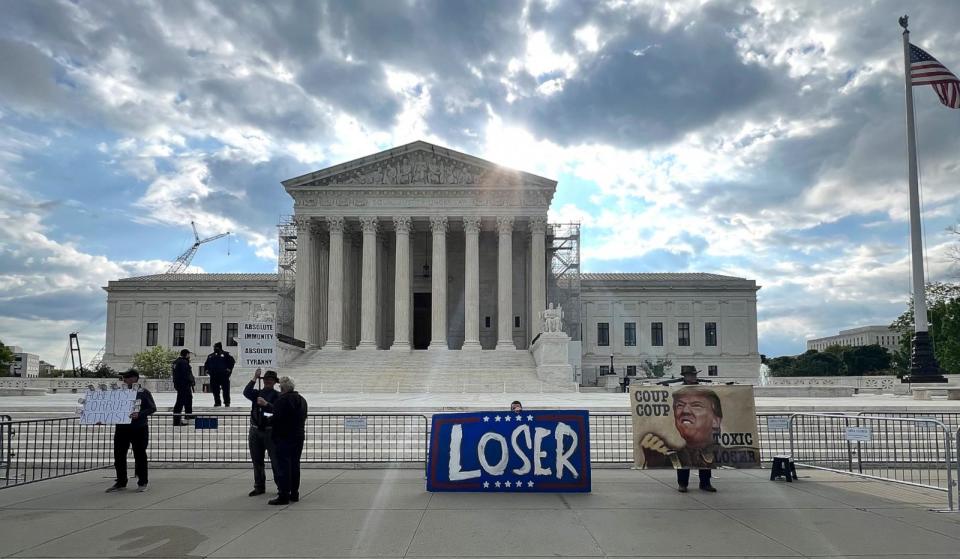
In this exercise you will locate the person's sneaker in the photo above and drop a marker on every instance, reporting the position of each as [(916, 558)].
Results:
[(682, 488), (141, 489), (256, 492), (279, 501), (116, 487), (294, 497), (708, 488)]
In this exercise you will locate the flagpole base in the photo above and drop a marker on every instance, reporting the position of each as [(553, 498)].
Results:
[(923, 363)]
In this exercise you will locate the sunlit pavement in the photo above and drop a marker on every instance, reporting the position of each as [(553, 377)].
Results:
[(388, 513)]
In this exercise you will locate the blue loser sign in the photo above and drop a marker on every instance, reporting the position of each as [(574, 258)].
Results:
[(530, 451)]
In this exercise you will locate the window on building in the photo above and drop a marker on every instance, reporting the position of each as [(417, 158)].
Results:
[(656, 333), (711, 370), (710, 333), (629, 333), (604, 369), (178, 329), (486, 322), (205, 330), (151, 333), (603, 333), (516, 322), (631, 370), (683, 333), (232, 333)]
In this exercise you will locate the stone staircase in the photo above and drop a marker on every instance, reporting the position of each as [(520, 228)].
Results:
[(443, 371)]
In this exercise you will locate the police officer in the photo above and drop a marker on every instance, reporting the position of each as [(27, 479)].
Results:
[(183, 383), (219, 365), (260, 437), (135, 434)]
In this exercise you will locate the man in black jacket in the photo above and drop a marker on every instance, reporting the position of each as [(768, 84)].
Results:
[(135, 434), (219, 365), (289, 433), (260, 437), (183, 383)]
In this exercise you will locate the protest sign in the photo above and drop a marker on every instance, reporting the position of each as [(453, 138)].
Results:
[(500, 451), (258, 345), (108, 406), (694, 426)]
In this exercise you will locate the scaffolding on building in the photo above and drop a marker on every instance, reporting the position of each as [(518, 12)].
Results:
[(286, 273), (563, 279)]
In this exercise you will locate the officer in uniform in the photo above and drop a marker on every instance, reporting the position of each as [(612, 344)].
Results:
[(260, 437), (183, 383), (219, 365)]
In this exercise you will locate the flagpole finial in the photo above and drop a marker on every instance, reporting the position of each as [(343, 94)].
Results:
[(903, 22)]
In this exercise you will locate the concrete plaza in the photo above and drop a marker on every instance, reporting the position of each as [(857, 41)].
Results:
[(387, 513)]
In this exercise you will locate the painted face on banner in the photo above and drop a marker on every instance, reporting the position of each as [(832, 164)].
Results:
[(695, 419)]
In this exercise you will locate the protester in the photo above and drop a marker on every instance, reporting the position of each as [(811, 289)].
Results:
[(516, 406), (135, 434), (289, 433), (183, 383), (219, 366), (696, 424), (260, 437)]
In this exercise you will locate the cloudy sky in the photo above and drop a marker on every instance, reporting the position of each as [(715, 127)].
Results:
[(758, 139)]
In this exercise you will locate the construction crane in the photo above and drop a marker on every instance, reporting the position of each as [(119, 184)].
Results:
[(183, 261)]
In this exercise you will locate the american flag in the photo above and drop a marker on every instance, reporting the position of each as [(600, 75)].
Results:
[(925, 69)]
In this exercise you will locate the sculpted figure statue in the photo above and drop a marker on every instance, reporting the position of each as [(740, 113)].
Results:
[(552, 319)]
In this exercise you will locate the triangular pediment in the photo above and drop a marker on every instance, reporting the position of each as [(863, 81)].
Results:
[(418, 164)]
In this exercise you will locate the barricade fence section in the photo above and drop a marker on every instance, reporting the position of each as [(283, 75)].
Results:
[(5, 439), (40, 449), (912, 451)]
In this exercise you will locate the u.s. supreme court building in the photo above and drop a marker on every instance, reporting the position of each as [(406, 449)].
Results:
[(420, 268)]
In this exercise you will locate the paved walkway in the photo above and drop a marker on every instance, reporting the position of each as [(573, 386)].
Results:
[(387, 513)]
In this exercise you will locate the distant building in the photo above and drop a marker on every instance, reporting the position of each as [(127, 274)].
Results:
[(46, 368), (24, 364), (883, 336), (177, 311), (705, 320)]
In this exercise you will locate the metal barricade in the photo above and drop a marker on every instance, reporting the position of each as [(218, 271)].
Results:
[(6, 434), (910, 451)]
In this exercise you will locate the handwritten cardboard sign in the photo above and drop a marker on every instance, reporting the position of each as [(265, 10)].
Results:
[(110, 406), (258, 345)]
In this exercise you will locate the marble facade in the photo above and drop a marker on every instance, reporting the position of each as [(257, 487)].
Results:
[(383, 238)]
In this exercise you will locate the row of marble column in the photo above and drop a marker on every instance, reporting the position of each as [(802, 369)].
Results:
[(321, 262)]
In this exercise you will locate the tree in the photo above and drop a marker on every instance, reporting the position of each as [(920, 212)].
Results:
[(865, 360), (154, 362), (656, 369), (6, 359), (943, 314), (809, 364)]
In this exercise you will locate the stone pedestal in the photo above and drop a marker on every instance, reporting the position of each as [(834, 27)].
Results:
[(551, 354)]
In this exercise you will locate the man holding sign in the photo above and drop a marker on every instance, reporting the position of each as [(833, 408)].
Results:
[(133, 434)]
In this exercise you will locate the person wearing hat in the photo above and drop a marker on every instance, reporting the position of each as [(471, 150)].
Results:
[(684, 418), (183, 383), (260, 436), (135, 434)]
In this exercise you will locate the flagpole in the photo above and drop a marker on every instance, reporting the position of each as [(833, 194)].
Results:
[(923, 362)]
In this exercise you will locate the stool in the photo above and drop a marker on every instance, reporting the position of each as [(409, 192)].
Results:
[(783, 466)]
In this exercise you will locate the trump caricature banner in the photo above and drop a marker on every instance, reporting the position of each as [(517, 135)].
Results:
[(696, 426), (531, 451)]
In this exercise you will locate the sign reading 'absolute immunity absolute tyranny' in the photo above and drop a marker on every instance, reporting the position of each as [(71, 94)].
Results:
[(258, 344), (530, 451), (694, 426)]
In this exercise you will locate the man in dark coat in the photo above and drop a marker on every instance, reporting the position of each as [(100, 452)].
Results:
[(289, 433), (183, 383), (219, 365), (260, 436), (135, 434)]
